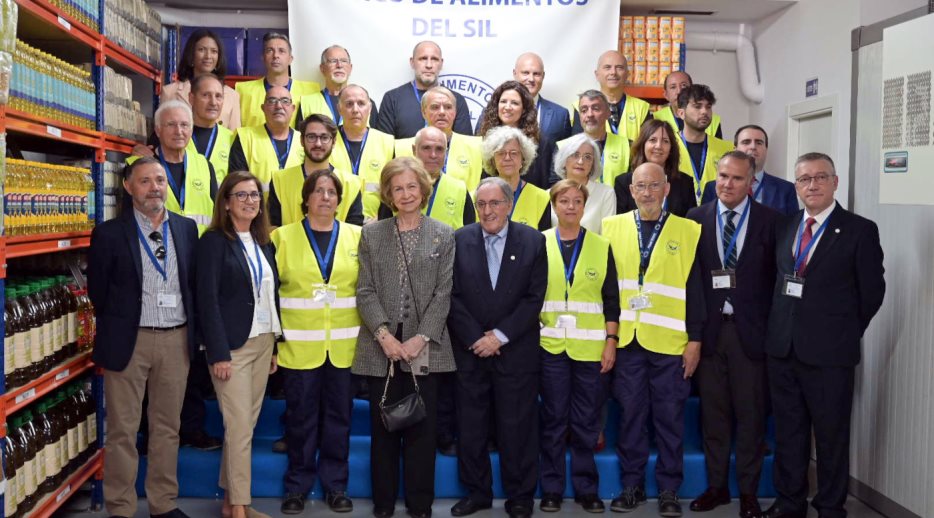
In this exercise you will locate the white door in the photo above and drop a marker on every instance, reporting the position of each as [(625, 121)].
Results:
[(812, 127)]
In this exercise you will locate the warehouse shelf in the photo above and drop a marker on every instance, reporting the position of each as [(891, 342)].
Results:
[(56, 18), (23, 122), (51, 502), (23, 246), (69, 370), (647, 93)]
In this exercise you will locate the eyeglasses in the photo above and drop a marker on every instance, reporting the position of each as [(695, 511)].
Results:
[(334, 61), (323, 138), (156, 236), (511, 154), (243, 195), (283, 101), (320, 191), (577, 155), (654, 186), (820, 179), (494, 204), (176, 125)]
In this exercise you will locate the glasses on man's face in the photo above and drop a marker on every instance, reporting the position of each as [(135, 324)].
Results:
[(654, 186), (243, 195), (280, 101), (156, 236), (335, 61), (512, 154), (820, 179), (493, 204), (323, 138)]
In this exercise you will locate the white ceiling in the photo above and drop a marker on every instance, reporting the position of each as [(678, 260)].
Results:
[(724, 10)]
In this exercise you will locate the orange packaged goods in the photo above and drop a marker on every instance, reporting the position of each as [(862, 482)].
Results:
[(677, 28), (629, 49), (676, 51), (640, 50), (625, 27), (638, 27), (651, 74), (639, 75), (651, 53), (663, 70), (664, 51), (651, 27), (664, 28)]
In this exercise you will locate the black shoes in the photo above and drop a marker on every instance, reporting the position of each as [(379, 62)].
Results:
[(668, 504), (174, 513), (466, 506), (382, 513), (201, 441), (338, 501), (590, 503), (551, 502), (778, 512), (294, 503), (518, 510), (710, 499), (632, 497)]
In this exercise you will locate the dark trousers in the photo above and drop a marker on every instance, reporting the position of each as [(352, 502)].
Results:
[(193, 408), (317, 429), (516, 418), (805, 396), (416, 444), (573, 393), (732, 386), (447, 407), (644, 380)]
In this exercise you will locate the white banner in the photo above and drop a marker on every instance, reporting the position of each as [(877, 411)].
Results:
[(479, 40)]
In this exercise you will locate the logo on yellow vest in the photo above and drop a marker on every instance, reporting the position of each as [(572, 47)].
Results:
[(353, 253), (375, 165), (463, 161), (673, 247), (614, 156), (591, 274), (198, 184)]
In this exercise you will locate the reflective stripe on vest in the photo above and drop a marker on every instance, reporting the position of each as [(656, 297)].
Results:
[(533, 202), (296, 335), (378, 151), (261, 154), (296, 303)]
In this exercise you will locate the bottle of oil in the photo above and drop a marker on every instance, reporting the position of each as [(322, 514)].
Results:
[(9, 339), (13, 446), (29, 464), (71, 418), (9, 473), (34, 340), (90, 411), (50, 454), (71, 325), (21, 341), (37, 442), (60, 429)]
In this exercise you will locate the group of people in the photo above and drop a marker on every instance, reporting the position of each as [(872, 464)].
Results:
[(511, 280)]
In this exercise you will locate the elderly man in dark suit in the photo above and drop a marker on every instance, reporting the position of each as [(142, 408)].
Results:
[(737, 257), (140, 281), (830, 283), (494, 328)]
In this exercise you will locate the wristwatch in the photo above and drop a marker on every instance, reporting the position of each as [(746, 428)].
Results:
[(424, 337), (614, 337)]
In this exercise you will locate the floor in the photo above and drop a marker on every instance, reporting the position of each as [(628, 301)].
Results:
[(204, 508)]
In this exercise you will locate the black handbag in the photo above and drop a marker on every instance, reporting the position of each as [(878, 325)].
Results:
[(407, 412)]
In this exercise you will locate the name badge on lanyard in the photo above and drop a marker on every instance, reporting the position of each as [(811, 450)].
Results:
[(323, 292), (643, 299), (567, 320), (725, 279), (793, 285)]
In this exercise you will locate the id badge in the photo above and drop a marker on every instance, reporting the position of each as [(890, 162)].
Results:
[(166, 300), (793, 286), (324, 293), (723, 279), (567, 322), (372, 187), (639, 302)]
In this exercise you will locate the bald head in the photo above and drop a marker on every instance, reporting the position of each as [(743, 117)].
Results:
[(530, 71), (430, 147), (648, 172), (612, 72), (674, 83), (426, 62)]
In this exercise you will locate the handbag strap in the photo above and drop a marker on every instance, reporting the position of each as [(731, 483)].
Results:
[(389, 374)]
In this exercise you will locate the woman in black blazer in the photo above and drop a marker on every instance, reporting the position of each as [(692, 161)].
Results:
[(238, 312)]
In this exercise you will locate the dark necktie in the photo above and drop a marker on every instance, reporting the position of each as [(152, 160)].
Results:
[(728, 230), (805, 240)]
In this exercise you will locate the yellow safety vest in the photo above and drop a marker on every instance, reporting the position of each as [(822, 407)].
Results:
[(716, 148), (630, 122), (585, 300), (288, 184), (660, 328), (312, 329), (220, 153), (253, 94), (316, 103), (666, 114), (450, 198), (261, 155), (464, 159), (533, 202), (377, 152), (199, 206), (615, 157)]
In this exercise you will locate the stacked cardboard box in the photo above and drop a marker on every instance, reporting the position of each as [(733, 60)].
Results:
[(653, 46)]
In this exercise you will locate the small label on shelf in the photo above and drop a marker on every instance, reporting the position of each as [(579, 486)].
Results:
[(52, 130), (62, 375), (64, 23), (29, 394), (64, 243), (65, 492)]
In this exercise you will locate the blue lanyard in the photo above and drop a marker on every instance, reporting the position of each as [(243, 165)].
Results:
[(698, 175), (801, 255), (355, 164), (210, 147), (180, 194), (322, 261), (431, 201), (515, 197), (327, 99), (569, 268), (733, 240), (257, 271), (284, 157), (622, 108), (268, 86), (418, 98), (645, 252), (444, 168), (163, 268)]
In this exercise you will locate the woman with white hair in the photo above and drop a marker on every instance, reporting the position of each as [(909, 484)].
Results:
[(508, 153), (578, 159)]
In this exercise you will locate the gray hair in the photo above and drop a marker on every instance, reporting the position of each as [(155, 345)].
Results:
[(739, 155), (813, 157), (420, 134), (571, 146), (174, 104), (325, 51), (497, 138), (499, 182), (594, 94)]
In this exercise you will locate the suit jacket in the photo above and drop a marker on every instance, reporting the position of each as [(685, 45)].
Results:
[(843, 290), (379, 295), (555, 121), (225, 295), (115, 284), (755, 277), (513, 307), (400, 113), (777, 193)]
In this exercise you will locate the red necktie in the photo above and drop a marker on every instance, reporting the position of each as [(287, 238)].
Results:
[(805, 240)]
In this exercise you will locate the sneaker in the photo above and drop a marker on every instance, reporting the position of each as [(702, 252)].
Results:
[(668, 504), (632, 497)]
